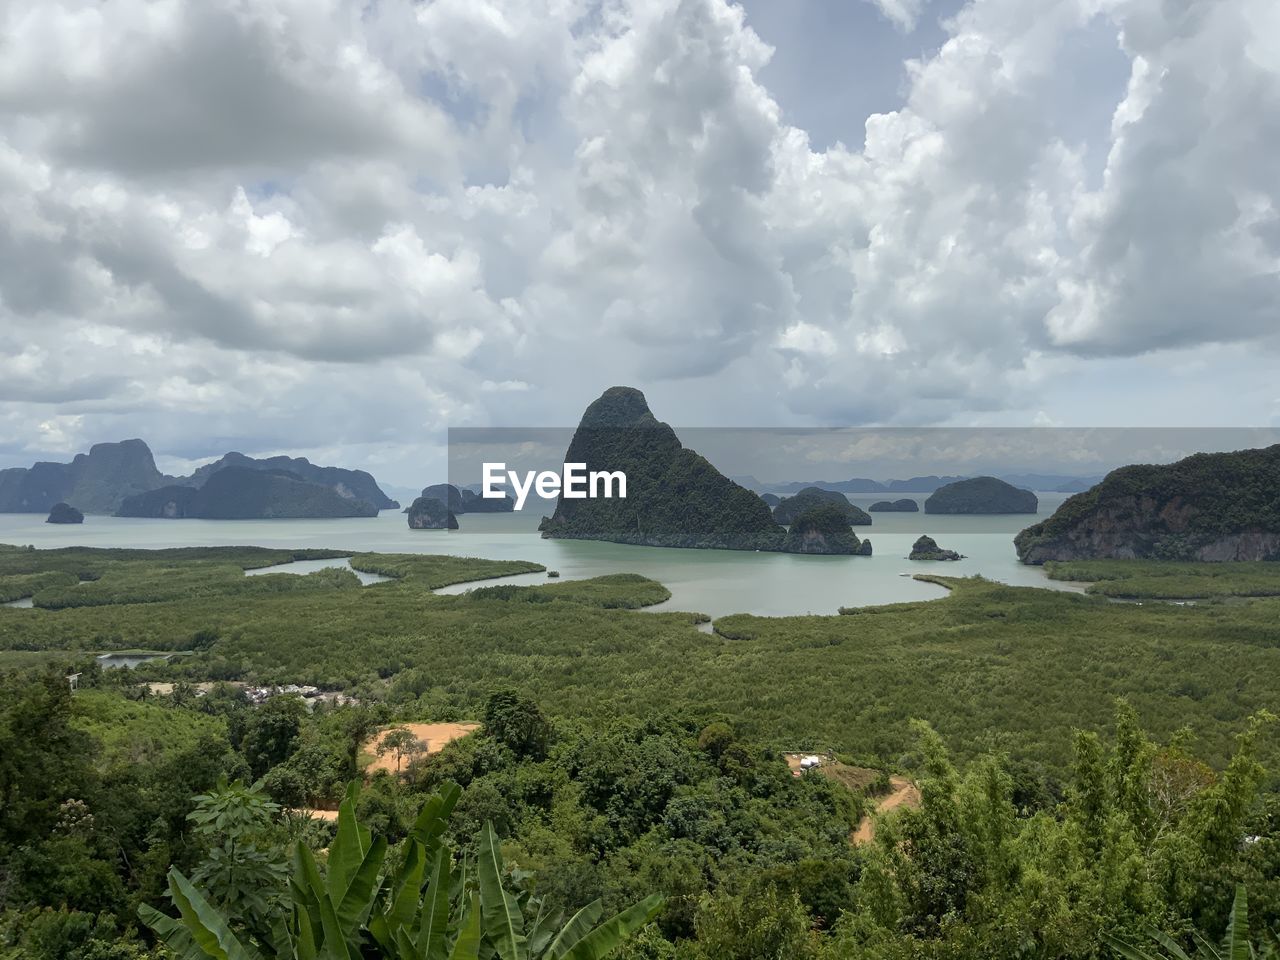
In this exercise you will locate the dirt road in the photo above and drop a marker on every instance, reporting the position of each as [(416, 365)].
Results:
[(902, 792)]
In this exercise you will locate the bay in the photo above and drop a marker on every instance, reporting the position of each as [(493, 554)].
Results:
[(715, 582)]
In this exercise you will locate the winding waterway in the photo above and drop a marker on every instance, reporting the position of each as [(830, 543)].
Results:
[(715, 582)]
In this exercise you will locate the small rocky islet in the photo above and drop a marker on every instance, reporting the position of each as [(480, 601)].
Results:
[(926, 548)]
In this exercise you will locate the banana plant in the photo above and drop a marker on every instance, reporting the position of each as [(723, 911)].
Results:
[(583, 937), (1235, 942), (429, 906)]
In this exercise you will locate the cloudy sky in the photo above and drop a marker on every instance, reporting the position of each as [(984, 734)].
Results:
[(336, 228)]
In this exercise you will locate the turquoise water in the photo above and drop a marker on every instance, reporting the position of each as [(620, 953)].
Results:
[(310, 566), (127, 661), (715, 582)]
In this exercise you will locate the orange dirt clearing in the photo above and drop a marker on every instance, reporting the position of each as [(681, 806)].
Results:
[(329, 815), (902, 793), (435, 735)]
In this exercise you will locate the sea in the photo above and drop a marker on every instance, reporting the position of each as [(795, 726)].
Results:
[(714, 582)]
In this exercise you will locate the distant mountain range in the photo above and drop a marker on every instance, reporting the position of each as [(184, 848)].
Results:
[(123, 477), (1044, 482)]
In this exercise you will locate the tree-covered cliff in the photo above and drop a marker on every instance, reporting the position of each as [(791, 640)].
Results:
[(95, 482), (825, 528), (1210, 506), (431, 513), (675, 498), (812, 497)]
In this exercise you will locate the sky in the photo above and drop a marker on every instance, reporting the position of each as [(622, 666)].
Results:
[(779, 455), (335, 228)]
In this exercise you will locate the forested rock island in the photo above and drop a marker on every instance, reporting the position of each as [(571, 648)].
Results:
[(825, 529), (981, 496), (65, 513), (675, 497), (926, 548), (810, 498), (461, 500), (431, 513), (1209, 506), (905, 505)]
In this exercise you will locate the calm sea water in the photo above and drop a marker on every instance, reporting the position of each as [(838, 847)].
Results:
[(715, 582)]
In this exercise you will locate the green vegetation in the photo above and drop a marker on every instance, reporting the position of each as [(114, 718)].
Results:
[(429, 513), (145, 583), (1171, 579), (905, 505), (434, 572), (1235, 942), (791, 508), (616, 591), (1210, 506), (926, 548), (19, 585), (824, 528), (675, 498), (64, 513), (85, 577), (1000, 860), (89, 563), (467, 501), (131, 732), (981, 495), (426, 903), (1086, 769), (991, 667)]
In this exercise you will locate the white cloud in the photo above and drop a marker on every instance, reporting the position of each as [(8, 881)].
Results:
[(904, 14), (329, 221)]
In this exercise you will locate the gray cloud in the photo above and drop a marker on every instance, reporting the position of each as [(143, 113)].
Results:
[(328, 227), (205, 86)]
